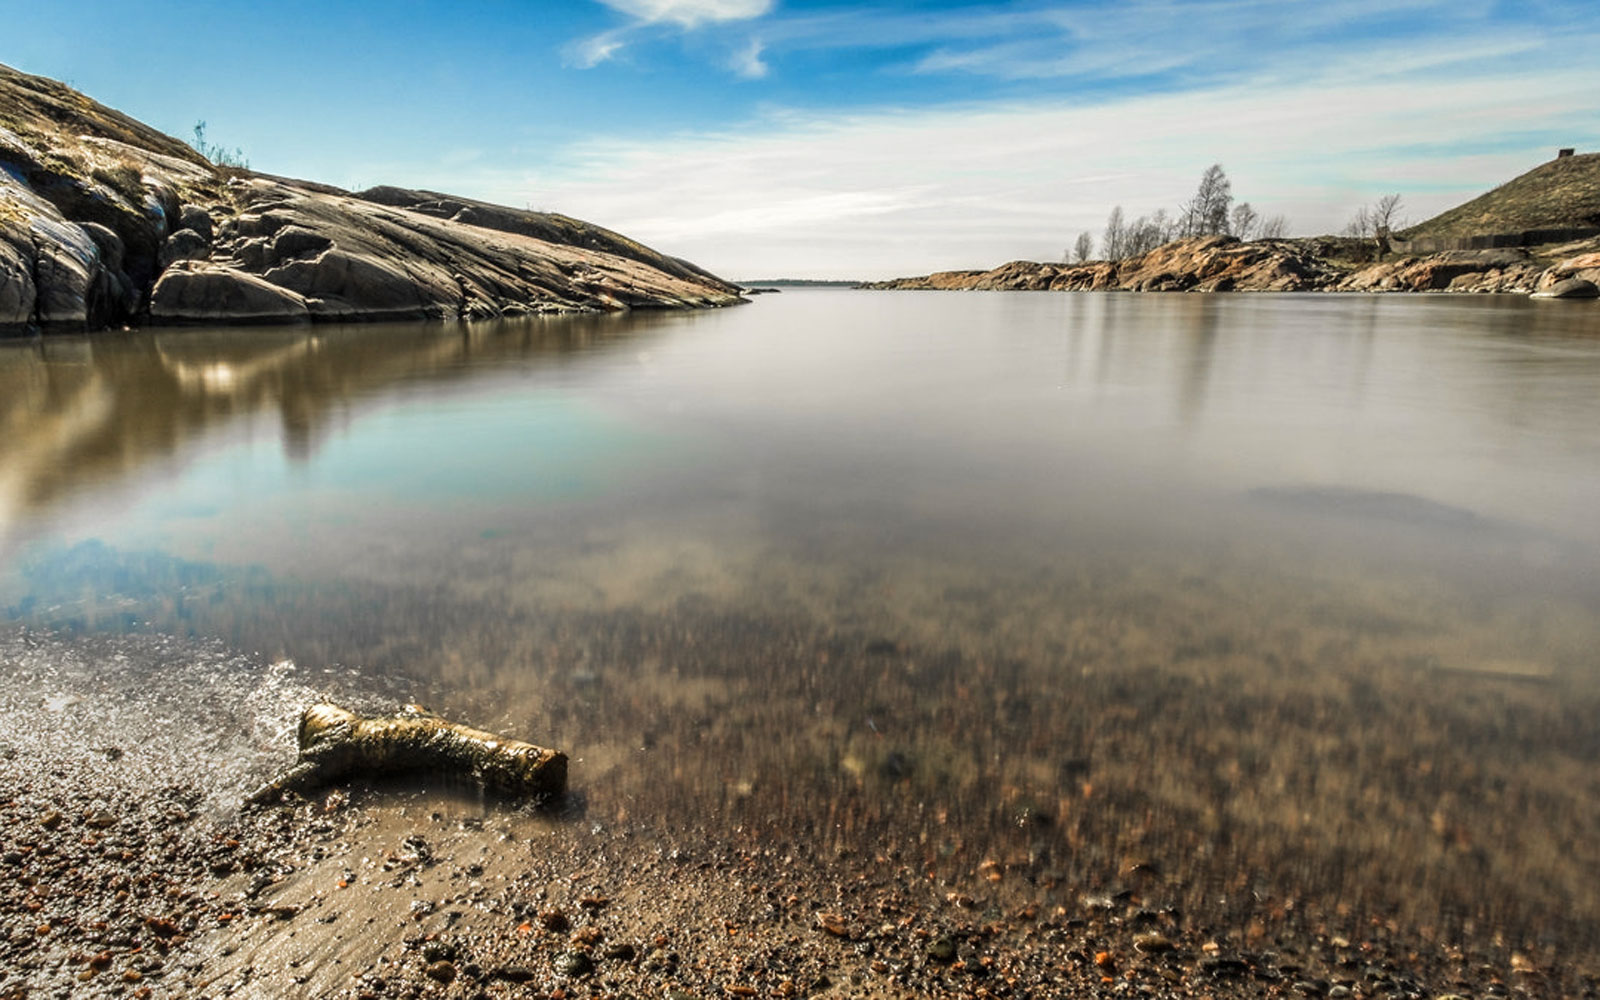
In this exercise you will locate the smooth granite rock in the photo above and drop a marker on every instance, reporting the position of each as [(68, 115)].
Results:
[(105, 221)]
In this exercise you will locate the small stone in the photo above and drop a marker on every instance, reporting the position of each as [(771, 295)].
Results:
[(50, 820), (574, 964), (439, 951), (512, 973), (132, 975), (942, 950), (1151, 943), (442, 971), (101, 820), (555, 921), (832, 923)]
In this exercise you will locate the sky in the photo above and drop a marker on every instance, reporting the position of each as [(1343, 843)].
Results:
[(792, 138)]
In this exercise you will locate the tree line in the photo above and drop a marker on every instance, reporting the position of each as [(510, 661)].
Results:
[(1210, 212)]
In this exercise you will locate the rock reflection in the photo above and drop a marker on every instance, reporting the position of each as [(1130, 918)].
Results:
[(80, 413)]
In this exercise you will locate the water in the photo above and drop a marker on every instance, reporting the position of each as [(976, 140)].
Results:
[(1298, 586)]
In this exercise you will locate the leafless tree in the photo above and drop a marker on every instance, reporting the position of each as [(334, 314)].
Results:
[(1206, 214), (1360, 224), (1148, 232), (1114, 243), (1246, 221), (1385, 211), (1083, 249), (1274, 228)]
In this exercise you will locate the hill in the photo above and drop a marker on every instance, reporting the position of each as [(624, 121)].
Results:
[(106, 221), (1563, 194)]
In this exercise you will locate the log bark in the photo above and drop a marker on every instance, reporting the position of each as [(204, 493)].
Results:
[(336, 744)]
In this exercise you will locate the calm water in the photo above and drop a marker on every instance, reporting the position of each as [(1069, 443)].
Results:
[(1255, 575)]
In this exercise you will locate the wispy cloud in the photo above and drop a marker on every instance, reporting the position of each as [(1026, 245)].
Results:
[(747, 61), (690, 13), (881, 193), (646, 17)]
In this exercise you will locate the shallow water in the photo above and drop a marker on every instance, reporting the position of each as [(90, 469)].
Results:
[(1067, 579)]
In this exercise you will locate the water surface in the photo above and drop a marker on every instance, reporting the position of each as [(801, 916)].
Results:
[(1303, 586)]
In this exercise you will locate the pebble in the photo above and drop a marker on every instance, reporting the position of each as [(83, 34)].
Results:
[(442, 971), (942, 950), (574, 964), (1151, 943)]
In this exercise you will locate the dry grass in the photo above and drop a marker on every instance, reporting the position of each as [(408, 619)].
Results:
[(1561, 194)]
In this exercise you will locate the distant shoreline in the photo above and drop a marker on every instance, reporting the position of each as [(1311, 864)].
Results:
[(1227, 264)]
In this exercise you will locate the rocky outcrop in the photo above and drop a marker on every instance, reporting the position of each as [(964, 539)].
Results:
[(1585, 266), (1203, 264), (1509, 270), (104, 221), (1225, 264), (1570, 288)]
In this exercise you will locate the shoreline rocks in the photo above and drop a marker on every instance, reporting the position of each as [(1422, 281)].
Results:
[(106, 222), (1226, 264)]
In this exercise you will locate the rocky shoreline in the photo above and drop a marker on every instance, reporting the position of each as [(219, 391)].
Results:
[(105, 222), (128, 874), (1226, 264)]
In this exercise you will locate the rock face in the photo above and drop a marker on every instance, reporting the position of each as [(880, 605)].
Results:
[(105, 221), (1203, 264), (1509, 270), (1571, 288), (1225, 264)]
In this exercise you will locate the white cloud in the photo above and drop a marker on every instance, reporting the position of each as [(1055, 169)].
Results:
[(587, 53), (690, 13), (884, 193), (747, 61)]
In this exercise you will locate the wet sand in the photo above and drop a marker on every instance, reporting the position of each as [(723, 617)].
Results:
[(1196, 807)]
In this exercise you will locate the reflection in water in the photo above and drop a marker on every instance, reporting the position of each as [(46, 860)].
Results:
[(1295, 595), (82, 413)]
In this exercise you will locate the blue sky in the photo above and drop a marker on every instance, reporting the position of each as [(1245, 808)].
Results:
[(814, 139)]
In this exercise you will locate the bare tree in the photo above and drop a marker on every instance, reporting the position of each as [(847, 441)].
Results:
[(1114, 243), (1206, 214), (1083, 249), (1274, 228), (1360, 224), (1146, 233), (1384, 211), (1246, 220)]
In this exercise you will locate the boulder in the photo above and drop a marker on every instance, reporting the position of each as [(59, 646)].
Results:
[(295, 241), (196, 292), (1584, 265), (1570, 288), (347, 286), (17, 291), (198, 219), (185, 244)]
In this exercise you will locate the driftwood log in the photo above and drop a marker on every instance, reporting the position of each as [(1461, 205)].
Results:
[(336, 744)]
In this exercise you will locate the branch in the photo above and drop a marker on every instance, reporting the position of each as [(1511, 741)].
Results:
[(336, 744)]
